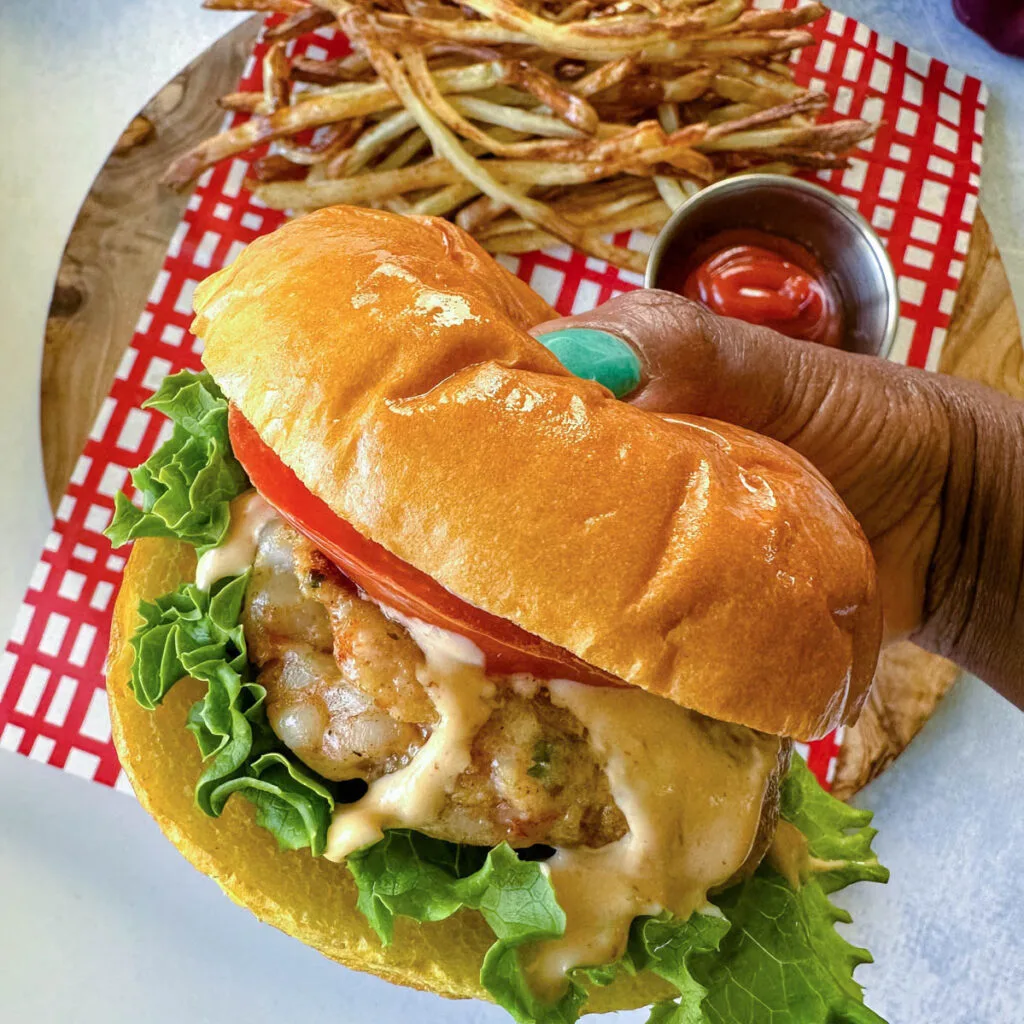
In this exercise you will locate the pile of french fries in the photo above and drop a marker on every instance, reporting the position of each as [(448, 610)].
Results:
[(528, 123)]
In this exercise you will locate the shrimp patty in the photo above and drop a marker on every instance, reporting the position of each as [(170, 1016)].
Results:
[(344, 692)]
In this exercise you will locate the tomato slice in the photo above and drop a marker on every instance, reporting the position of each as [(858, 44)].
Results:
[(386, 578)]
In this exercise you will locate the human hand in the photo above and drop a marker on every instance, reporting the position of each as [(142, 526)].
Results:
[(931, 467)]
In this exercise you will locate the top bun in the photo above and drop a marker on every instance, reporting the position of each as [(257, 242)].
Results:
[(386, 360)]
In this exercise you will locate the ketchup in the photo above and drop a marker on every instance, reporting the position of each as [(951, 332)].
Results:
[(762, 279)]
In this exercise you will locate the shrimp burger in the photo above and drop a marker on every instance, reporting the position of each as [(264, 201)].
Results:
[(465, 673)]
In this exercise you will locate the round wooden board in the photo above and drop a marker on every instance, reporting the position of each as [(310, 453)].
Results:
[(118, 244)]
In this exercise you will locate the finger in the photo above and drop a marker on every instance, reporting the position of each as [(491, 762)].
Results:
[(692, 361)]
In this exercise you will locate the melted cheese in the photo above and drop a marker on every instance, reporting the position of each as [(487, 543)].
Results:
[(249, 514), (414, 796), (691, 790)]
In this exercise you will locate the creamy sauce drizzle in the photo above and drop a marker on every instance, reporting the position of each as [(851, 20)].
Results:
[(414, 796), (789, 855), (691, 790), (249, 514), (439, 646)]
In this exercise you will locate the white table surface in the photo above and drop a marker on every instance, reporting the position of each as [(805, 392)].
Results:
[(102, 921)]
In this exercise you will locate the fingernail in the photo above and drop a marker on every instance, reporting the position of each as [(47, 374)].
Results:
[(595, 355)]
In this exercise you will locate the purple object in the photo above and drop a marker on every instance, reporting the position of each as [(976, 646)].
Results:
[(1001, 22)]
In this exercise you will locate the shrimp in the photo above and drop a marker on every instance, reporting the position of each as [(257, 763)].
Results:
[(344, 693)]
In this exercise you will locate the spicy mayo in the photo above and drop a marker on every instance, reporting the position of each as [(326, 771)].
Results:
[(762, 279)]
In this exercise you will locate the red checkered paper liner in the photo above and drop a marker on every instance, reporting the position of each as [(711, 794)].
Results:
[(916, 182)]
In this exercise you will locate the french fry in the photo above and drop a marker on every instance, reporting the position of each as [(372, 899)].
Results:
[(313, 112), (773, 115), (444, 200), (331, 140), (605, 38), (522, 241), (573, 149), (528, 122), (687, 87), (476, 215), (668, 116), (244, 102), (261, 6), (831, 138), (761, 21), (276, 167), (643, 206), (570, 107), (404, 151), (675, 191), (396, 204), (772, 167), (360, 190), (732, 163), (778, 68), (675, 157), (307, 19), (616, 147), (276, 83), (519, 120), (427, 174), (605, 220), (729, 113), (741, 90), (777, 77), (433, 29), (330, 72), (720, 47), (371, 144), (428, 9), (585, 196), (610, 73), (527, 238), (575, 10), (447, 145)]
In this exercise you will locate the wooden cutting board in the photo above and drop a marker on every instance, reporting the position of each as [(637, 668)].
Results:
[(118, 244)]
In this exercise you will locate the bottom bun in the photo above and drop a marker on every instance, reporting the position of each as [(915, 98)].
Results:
[(309, 898)]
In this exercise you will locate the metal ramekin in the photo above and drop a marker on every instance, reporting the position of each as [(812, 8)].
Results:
[(843, 242)]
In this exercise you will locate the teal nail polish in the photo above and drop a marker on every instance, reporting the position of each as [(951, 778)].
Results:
[(595, 355)]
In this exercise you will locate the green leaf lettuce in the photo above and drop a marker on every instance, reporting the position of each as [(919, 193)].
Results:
[(186, 485), (197, 633), (412, 875), (781, 961)]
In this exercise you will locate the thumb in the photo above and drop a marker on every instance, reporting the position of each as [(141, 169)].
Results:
[(689, 360), (819, 401)]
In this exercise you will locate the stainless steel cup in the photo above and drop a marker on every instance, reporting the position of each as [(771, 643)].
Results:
[(843, 242)]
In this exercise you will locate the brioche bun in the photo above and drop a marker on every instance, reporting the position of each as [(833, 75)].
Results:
[(386, 360), (309, 898)]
